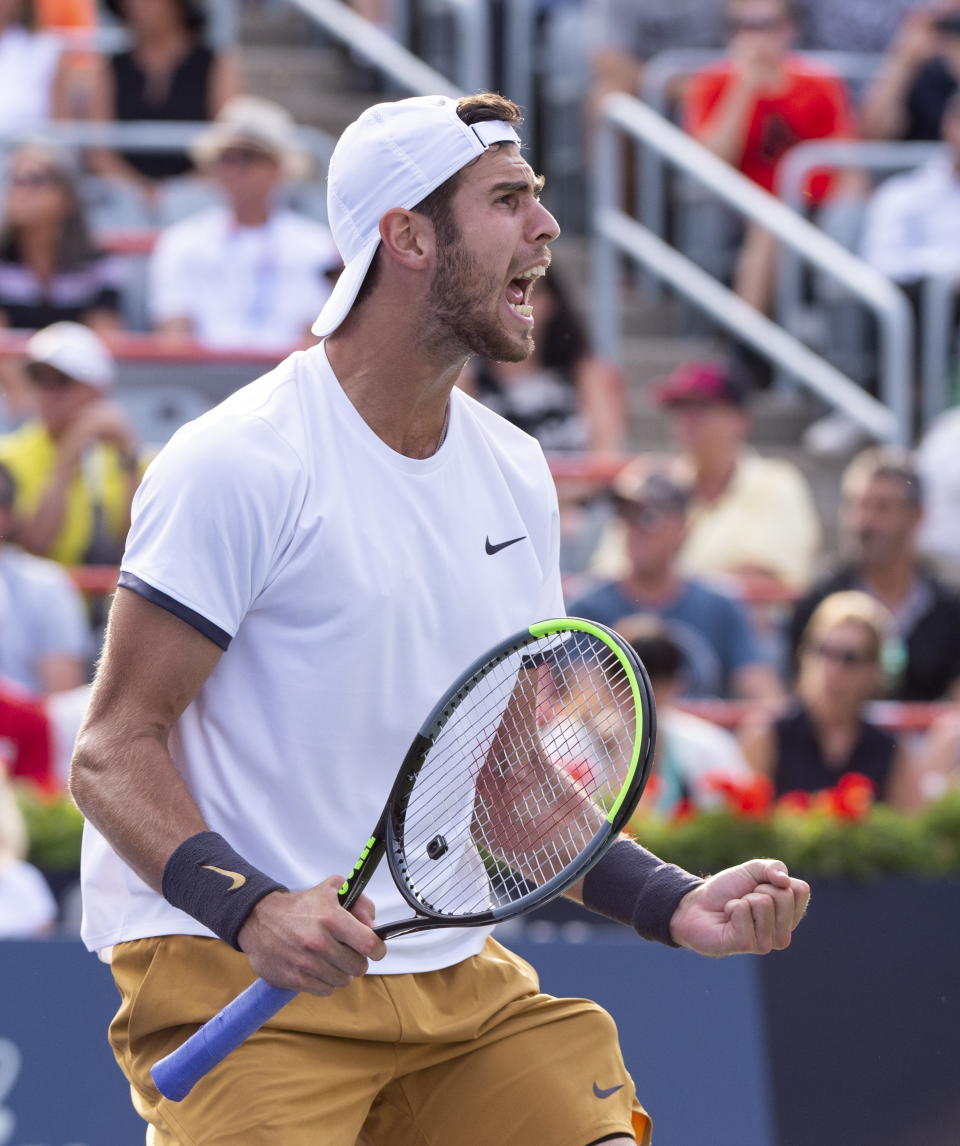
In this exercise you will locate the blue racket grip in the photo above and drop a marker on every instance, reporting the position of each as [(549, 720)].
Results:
[(177, 1074)]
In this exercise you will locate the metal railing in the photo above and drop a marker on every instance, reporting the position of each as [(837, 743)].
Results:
[(890, 418), (378, 48), (471, 64)]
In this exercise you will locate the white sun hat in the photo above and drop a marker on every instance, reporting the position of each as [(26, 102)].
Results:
[(75, 351), (258, 123), (393, 155)]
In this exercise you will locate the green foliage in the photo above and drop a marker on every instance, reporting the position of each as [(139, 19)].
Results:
[(814, 842), (54, 827)]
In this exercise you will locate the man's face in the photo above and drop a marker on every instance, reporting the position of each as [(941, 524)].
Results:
[(59, 399), (702, 426), (488, 257), (654, 535), (879, 520), (761, 27), (248, 176)]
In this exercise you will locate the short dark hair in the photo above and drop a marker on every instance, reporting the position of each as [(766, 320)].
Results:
[(479, 108)]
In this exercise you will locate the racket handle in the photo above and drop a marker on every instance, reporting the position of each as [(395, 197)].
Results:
[(177, 1074)]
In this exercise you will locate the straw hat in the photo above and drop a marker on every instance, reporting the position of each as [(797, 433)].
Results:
[(258, 123)]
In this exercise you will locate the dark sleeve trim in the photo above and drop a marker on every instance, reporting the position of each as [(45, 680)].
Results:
[(212, 632)]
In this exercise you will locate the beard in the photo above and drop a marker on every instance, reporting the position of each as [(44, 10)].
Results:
[(461, 311)]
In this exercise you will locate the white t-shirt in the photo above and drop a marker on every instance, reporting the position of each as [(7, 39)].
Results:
[(350, 585), (243, 288), (28, 67)]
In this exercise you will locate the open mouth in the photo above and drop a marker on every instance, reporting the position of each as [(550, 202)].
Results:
[(519, 290)]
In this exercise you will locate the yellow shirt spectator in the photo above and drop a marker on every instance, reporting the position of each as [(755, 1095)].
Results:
[(98, 498)]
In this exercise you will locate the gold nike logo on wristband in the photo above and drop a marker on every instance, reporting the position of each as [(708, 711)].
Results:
[(236, 879)]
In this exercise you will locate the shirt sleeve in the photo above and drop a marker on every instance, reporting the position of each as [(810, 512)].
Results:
[(211, 522), (891, 230)]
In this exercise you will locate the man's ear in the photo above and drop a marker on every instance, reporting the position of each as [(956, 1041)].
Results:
[(408, 238)]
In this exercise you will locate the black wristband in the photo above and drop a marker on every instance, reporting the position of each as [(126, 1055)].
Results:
[(206, 878), (632, 886)]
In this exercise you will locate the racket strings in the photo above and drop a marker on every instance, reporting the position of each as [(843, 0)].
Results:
[(520, 777)]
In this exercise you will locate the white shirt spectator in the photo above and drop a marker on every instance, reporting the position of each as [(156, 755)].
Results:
[(693, 753), (912, 227), (938, 461), (28, 65), (27, 906), (242, 288), (41, 615)]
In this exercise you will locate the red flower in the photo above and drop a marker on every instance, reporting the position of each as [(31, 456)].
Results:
[(685, 810), (752, 798), (852, 797), (795, 802)]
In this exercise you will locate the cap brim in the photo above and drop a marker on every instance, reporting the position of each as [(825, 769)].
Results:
[(345, 290)]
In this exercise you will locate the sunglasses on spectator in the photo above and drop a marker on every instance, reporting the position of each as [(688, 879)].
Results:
[(643, 516), (850, 658), (35, 179), (244, 157)]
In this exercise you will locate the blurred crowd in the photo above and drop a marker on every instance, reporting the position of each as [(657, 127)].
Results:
[(710, 555)]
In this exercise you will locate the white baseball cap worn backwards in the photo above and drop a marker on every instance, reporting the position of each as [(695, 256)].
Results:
[(392, 156)]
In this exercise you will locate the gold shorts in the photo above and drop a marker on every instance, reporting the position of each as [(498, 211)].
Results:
[(470, 1055)]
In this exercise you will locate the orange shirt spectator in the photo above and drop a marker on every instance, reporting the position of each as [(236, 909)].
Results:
[(811, 104)]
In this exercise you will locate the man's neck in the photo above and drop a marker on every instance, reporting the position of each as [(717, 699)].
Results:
[(892, 583), (652, 586), (713, 473), (399, 388), (251, 214)]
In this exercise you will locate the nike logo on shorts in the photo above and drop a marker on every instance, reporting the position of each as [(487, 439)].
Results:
[(605, 1093), (491, 549)]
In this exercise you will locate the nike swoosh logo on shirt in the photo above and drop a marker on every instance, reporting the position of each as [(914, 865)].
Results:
[(601, 1093), (491, 549)]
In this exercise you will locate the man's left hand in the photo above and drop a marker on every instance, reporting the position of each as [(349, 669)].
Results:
[(750, 909)]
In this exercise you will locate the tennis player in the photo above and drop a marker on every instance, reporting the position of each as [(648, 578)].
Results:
[(309, 566)]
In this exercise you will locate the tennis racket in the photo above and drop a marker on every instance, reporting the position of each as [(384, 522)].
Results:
[(516, 784)]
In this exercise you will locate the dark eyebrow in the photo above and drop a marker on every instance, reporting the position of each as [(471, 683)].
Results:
[(536, 186)]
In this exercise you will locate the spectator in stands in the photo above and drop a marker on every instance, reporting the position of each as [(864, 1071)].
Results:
[(27, 906), (76, 465), (912, 224), (691, 752), (31, 68), (880, 516), (45, 638), (50, 267), (168, 73), (250, 275), (824, 734), (721, 657), (756, 104), (752, 519), (919, 75)]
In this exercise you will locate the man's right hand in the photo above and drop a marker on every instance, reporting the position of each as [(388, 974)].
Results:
[(305, 941)]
